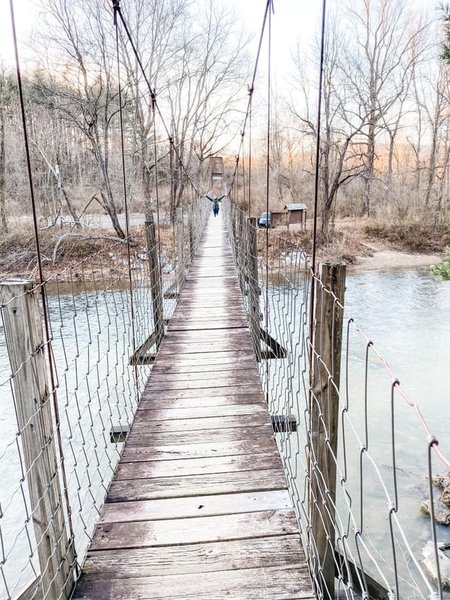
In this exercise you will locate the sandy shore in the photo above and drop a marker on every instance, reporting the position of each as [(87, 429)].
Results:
[(383, 259)]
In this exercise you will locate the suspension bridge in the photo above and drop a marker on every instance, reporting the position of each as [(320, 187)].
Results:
[(196, 421)]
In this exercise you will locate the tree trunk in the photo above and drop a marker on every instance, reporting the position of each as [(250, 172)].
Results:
[(433, 152), (370, 155), (111, 210), (390, 169)]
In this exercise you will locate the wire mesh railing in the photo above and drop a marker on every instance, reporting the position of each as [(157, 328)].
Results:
[(68, 398), (346, 428)]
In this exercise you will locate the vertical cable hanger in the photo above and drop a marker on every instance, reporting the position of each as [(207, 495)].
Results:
[(250, 105), (268, 142), (319, 126), (47, 329), (156, 178), (310, 351), (116, 6), (316, 178)]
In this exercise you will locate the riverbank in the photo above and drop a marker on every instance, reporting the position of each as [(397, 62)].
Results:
[(382, 258), (99, 253)]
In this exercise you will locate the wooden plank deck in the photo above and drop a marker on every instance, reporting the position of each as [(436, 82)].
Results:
[(199, 506)]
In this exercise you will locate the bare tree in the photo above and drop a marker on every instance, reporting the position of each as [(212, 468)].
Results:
[(343, 122), (86, 92), (377, 70)]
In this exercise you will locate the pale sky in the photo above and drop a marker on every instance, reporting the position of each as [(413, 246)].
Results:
[(292, 19)]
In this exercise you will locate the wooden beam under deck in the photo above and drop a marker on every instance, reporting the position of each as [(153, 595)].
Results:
[(199, 506)]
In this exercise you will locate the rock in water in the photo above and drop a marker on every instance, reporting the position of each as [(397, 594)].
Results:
[(430, 562), (441, 511)]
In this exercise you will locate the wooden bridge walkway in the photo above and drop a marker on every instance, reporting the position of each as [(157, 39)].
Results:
[(199, 506)]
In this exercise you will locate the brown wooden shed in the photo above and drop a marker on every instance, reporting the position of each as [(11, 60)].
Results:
[(296, 214)]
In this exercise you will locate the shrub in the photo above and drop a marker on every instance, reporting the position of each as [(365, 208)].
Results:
[(443, 269)]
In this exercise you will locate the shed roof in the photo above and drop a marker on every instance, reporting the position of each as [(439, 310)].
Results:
[(293, 207)]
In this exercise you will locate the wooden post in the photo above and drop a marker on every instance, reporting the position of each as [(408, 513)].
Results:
[(155, 277), (241, 244), (180, 246), (233, 229), (253, 285), (26, 351), (324, 411)]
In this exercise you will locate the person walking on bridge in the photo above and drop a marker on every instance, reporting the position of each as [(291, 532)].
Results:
[(215, 200)]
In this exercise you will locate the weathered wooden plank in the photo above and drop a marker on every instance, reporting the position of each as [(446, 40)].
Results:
[(179, 348), (199, 362), (168, 414), (206, 335), (214, 299), (155, 401), (200, 370), (195, 530), (263, 432), (202, 324), (194, 506), (268, 583), (193, 314), (189, 485), (224, 380), (221, 356), (198, 466), (200, 343), (203, 393), (194, 558), (209, 305), (143, 422), (181, 451)]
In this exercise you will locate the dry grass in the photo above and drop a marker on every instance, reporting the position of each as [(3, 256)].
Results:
[(345, 246), (410, 236), (67, 248)]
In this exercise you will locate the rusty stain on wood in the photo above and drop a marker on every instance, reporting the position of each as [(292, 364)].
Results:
[(199, 506)]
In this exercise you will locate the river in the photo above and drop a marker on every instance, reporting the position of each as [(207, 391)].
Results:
[(407, 316)]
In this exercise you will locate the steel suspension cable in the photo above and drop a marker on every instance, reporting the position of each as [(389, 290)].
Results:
[(155, 159), (319, 126), (250, 105)]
